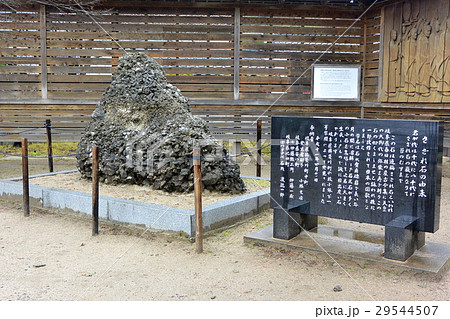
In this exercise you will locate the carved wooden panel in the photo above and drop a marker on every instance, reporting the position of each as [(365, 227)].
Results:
[(416, 52)]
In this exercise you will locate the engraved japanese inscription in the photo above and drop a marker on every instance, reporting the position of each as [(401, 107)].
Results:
[(363, 170)]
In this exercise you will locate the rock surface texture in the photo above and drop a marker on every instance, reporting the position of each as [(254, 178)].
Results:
[(145, 132)]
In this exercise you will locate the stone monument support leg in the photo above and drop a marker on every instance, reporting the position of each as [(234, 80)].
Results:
[(285, 224), (401, 239), (309, 221), (288, 222), (420, 239)]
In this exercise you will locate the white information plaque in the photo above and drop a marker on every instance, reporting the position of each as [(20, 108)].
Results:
[(332, 82)]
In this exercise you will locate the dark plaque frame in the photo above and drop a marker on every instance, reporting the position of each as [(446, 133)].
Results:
[(385, 172)]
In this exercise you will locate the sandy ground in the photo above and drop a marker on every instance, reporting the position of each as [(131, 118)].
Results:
[(145, 194), (52, 256)]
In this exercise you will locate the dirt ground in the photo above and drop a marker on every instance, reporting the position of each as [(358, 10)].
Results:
[(52, 256)]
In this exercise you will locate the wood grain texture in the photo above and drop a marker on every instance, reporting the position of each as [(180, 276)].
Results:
[(223, 67), (416, 38)]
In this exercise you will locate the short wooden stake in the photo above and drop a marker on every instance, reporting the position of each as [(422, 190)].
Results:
[(95, 191), (25, 178), (198, 200), (258, 147), (48, 128)]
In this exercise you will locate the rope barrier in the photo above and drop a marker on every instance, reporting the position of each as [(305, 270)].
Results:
[(133, 161), (250, 129), (181, 159), (80, 129), (21, 132), (249, 152), (58, 156), (65, 129)]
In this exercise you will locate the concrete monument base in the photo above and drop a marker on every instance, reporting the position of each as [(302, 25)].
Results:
[(431, 258)]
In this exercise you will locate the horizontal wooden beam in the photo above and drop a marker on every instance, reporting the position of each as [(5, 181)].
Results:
[(244, 102), (439, 106), (231, 102), (47, 101), (223, 5)]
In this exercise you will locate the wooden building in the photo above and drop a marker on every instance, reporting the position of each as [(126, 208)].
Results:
[(235, 60)]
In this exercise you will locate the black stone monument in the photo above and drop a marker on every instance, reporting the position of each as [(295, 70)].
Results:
[(384, 172)]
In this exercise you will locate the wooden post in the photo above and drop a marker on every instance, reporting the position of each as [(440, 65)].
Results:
[(258, 147), (25, 178), (95, 191), (198, 200), (48, 125)]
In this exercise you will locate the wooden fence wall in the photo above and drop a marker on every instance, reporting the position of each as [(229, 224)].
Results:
[(234, 63), (206, 53)]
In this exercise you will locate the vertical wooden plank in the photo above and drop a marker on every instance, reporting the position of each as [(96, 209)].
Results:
[(43, 35), (25, 178), (442, 47), (381, 55), (446, 73), (415, 49), (396, 51), (198, 200), (364, 63), (237, 47)]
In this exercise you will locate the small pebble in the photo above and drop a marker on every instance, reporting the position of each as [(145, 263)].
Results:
[(337, 288)]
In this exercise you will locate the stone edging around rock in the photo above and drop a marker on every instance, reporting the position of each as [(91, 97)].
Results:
[(157, 217)]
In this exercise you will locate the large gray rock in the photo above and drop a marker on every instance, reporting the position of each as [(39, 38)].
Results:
[(145, 132)]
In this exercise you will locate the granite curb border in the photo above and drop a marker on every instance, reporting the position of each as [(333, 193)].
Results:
[(157, 217)]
